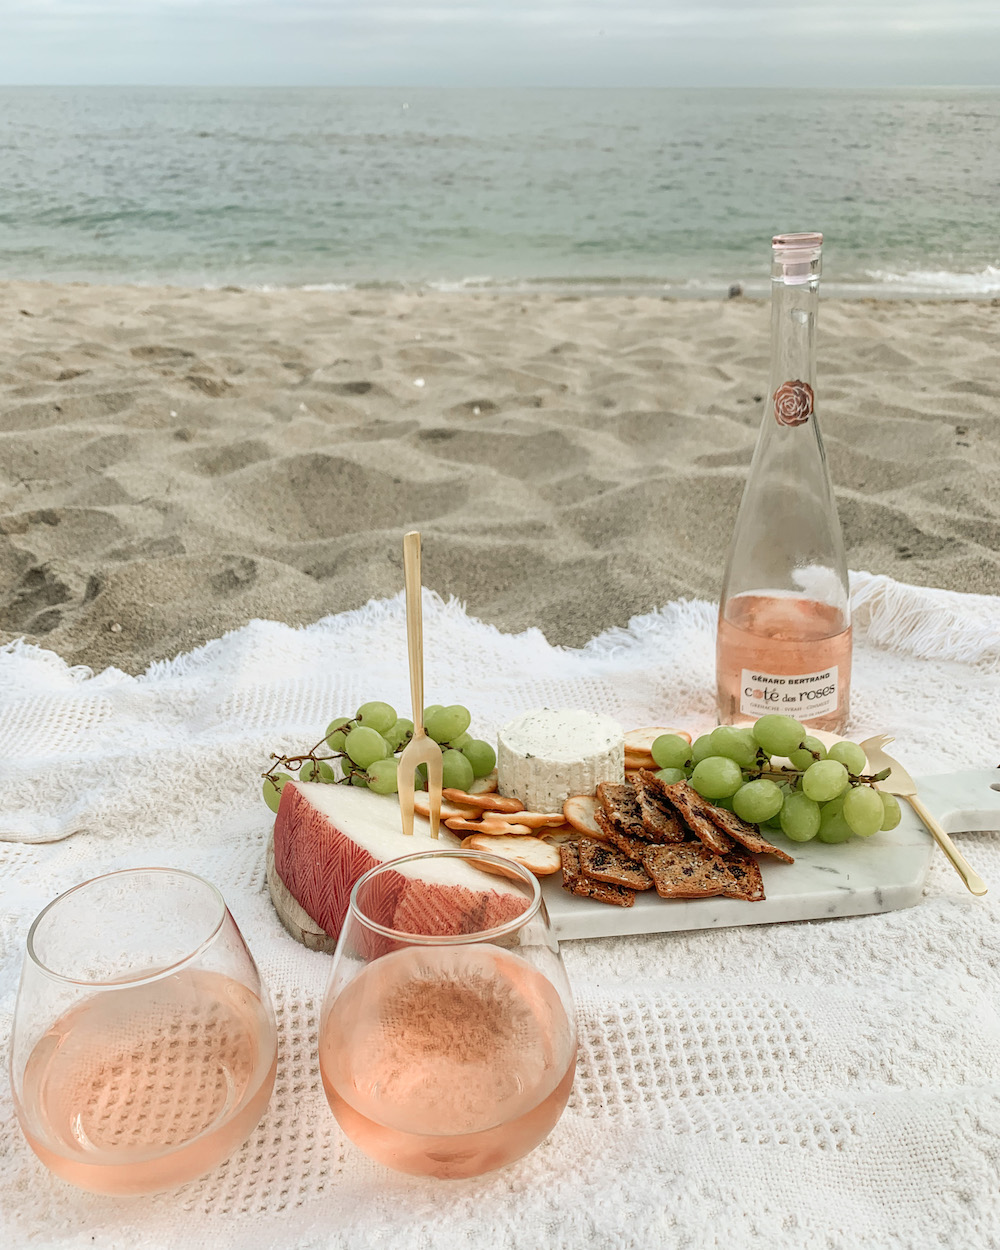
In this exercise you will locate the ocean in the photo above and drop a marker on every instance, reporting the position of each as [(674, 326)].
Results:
[(670, 191)]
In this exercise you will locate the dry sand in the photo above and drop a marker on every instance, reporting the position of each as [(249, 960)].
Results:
[(175, 462)]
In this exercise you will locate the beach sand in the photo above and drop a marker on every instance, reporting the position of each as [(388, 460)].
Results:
[(176, 462)]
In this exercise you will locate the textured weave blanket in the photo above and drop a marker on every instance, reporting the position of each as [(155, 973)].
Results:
[(826, 1084)]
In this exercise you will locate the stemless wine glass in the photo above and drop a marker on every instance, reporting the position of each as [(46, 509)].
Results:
[(448, 1041), (144, 1045)]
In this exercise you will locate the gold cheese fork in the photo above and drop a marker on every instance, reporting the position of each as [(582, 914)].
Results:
[(420, 749), (900, 783)]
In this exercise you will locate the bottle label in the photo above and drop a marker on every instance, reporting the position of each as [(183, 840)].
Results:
[(803, 696), (793, 403)]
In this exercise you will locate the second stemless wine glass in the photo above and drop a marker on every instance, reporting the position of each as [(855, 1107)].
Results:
[(144, 1045), (448, 1040)]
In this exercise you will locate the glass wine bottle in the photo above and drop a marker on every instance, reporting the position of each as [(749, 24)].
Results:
[(784, 638)]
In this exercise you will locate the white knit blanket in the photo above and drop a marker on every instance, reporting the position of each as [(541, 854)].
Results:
[(830, 1084)]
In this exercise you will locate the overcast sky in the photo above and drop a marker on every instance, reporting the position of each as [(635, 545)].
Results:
[(502, 42)]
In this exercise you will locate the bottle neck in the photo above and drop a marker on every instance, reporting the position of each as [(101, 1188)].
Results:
[(794, 307)]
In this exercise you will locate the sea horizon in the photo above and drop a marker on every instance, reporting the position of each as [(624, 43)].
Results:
[(672, 192)]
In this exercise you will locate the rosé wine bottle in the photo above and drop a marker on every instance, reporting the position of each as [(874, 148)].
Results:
[(784, 639)]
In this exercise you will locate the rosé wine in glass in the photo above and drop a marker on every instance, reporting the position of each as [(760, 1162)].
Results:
[(446, 1054), (144, 1047)]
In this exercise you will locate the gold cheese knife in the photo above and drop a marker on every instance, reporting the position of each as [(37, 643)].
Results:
[(900, 783)]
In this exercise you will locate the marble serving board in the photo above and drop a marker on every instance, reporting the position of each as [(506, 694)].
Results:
[(857, 878)]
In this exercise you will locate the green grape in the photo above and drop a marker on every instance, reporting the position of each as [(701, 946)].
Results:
[(725, 804), (365, 746), (273, 787), (850, 755), (382, 776), (734, 744), (399, 734), (480, 755), (456, 770), (808, 753), (448, 722), (833, 828), (824, 780), (837, 804), (335, 737), (800, 817), (312, 770), (863, 811), (430, 710), (701, 748), (671, 751), (775, 821), (670, 776), (891, 814), (758, 801), (359, 779), (377, 716), (716, 777), (461, 742), (779, 735)]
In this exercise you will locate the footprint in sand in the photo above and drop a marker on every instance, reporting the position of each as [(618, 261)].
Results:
[(35, 603)]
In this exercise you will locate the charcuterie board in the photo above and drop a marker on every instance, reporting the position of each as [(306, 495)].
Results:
[(864, 876)]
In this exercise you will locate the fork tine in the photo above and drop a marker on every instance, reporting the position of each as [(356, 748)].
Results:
[(434, 784), (405, 785), (876, 742)]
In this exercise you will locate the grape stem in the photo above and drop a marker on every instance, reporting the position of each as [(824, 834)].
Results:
[(796, 774), (295, 762)]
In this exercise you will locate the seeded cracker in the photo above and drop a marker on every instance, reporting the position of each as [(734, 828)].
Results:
[(694, 809), (688, 870), (620, 804), (745, 881), (576, 883), (747, 834), (632, 847), (600, 862), (660, 821)]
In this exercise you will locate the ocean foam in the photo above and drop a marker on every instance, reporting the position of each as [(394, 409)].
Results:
[(940, 281)]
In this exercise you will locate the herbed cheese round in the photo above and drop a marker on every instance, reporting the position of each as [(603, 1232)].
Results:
[(544, 756)]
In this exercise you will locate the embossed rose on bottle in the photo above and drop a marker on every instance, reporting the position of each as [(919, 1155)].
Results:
[(784, 640), (793, 403)]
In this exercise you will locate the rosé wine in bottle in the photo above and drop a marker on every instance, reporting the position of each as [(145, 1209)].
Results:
[(784, 639), (448, 1061)]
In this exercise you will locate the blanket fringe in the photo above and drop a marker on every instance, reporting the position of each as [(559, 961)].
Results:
[(926, 622)]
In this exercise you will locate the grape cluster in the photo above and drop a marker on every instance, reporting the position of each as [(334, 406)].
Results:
[(365, 746), (825, 794)]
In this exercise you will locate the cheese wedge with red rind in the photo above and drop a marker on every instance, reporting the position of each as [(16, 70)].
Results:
[(327, 836)]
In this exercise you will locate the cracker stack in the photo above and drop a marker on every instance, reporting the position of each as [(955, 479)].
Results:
[(667, 837)]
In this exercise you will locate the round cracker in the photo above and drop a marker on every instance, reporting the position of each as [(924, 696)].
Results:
[(534, 820), (495, 826), (490, 802), (539, 857), (565, 833), (640, 741), (485, 785), (422, 806), (579, 810)]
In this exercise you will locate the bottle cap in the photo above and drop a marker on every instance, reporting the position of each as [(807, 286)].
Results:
[(796, 257)]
